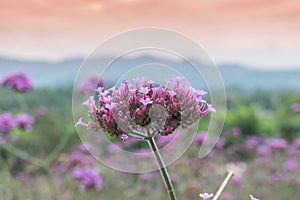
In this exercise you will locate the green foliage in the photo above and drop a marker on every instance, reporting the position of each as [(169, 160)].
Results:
[(244, 117)]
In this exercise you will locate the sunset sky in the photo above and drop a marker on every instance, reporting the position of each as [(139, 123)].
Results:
[(256, 33)]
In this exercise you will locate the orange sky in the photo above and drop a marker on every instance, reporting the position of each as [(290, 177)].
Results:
[(254, 32)]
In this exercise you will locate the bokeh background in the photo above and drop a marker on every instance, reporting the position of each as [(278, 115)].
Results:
[(254, 43)]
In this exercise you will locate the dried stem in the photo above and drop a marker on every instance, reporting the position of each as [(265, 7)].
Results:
[(224, 184)]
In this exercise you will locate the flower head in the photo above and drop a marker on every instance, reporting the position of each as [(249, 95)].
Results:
[(24, 121), (145, 107), (88, 177), (206, 196), (7, 122), (276, 143), (18, 82)]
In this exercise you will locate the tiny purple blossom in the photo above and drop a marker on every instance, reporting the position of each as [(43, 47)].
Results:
[(172, 93), (90, 103), (124, 137), (81, 123), (252, 197), (110, 106), (206, 196), (144, 90), (18, 82), (145, 101), (199, 94)]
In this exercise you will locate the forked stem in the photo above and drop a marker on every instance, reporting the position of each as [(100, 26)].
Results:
[(162, 168)]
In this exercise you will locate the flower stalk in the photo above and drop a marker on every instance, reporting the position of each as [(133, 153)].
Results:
[(162, 168)]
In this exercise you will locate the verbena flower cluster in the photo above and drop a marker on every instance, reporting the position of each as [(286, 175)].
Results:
[(144, 107), (80, 165), (18, 82), (8, 122)]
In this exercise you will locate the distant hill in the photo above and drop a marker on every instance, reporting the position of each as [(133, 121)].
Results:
[(62, 74)]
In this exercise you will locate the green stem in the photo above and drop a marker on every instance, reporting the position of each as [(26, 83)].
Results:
[(162, 168)]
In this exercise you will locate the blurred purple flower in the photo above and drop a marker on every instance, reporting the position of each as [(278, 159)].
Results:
[(263, 150), (220, 143), (234, 132), (18, 82), (24, 121), (199, 138), (276, 143), (147, 176), (295, 107), (251, 142), (7, 122), (90, 84), (164, 140), (85, 148), (296, 143), (290, 165), (76, 157), (274, 178), (206, 196), (88, 177), (235, 180)]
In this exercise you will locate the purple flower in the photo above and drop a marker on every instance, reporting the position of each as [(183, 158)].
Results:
[(124, 137), (76, 157), (199, 94), (7, 122), (206, 196), (252, 197), (24, 121), (147, 176), (144, 90), (18, 82), (88, 177), (199, 138), (135, 106), (295, 107), (296, 144), (234, 132), (220, 143), (263, 150), (290, 165), (276, 143), (251, 142), (90, 84), (145, 101)]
